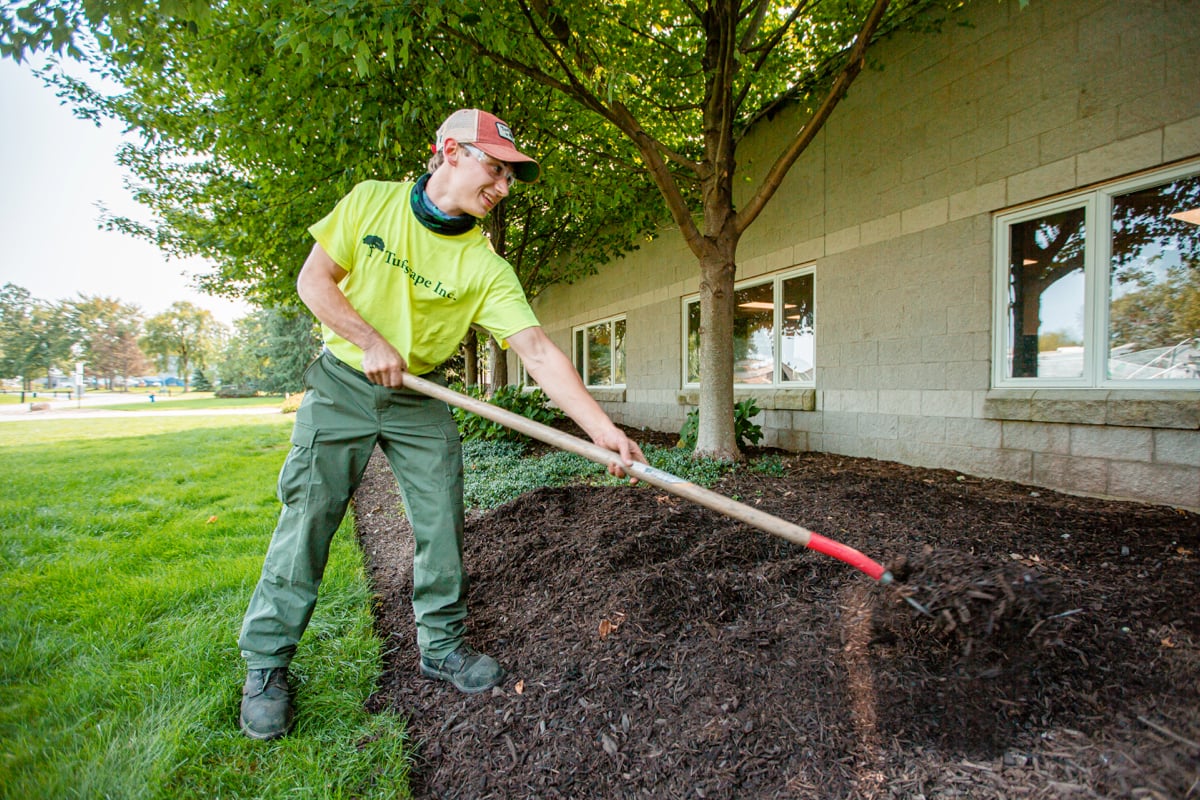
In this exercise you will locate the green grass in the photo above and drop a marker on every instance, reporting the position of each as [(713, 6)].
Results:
[(129, 551)]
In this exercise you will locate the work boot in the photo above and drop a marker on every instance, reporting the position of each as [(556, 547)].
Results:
[(468, 670), (266, 704)]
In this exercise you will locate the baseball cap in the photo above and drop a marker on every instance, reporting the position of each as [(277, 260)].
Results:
[(491, 135)]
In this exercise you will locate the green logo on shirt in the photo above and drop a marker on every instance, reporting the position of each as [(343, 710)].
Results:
[(373, 242)]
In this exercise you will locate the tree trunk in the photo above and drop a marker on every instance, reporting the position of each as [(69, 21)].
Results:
[(716, 437), (499, 365), (471, 359)]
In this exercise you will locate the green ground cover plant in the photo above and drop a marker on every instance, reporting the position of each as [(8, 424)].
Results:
[(129, 551), (499, 471)]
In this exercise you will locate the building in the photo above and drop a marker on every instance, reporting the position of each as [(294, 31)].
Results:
[(968, 269)]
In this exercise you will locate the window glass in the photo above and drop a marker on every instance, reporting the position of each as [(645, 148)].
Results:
[(1046, 296), (619, 351), (774, 332), (693, 342), (1154, 283), (599, 355), (796, 343), (753, 334), (579, 359)]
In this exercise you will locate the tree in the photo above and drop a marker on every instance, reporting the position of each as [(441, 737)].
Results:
[(247, 141), (270, 350), (290, 345), (107, 331), (35, 336), (184, 334), (684, 83), (673, 84)]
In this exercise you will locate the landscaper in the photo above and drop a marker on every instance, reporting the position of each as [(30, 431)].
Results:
[(398, 274)]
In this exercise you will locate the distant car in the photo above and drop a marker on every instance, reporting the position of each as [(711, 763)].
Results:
[(172, 382), (150, 382)]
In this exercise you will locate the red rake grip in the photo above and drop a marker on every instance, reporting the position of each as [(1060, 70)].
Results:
[(849, 555)]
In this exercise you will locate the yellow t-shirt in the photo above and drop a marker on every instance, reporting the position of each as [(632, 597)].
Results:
[(421, 290)]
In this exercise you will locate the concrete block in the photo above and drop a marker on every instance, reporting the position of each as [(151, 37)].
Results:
[(946, 403), (978, 200), (973, 432), (1177, 447), (840, 423), (1182, 139), (1079, 136), (1170, 484), (1131, 444), (1087, 475), (1036, 437), (925, 216), (1082, 406), (900, 401), (842, 240), (1042, 181), (1154, 409), (880, 229), (1121, 157), (877, 426), (967, 375), (918, 429)]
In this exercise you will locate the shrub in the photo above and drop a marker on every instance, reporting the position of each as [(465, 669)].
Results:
[(747, 431), (237, 391), (532, 405)]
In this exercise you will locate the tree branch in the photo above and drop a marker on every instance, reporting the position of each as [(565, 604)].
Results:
[(854, 65)]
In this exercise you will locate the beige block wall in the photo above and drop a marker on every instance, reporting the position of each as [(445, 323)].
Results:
[(893, 203)]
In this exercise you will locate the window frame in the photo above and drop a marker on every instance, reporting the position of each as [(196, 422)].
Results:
[(776, 280), (1097, 205), (582, 368)]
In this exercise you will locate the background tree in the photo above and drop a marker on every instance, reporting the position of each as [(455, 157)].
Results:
[(35, 337), (107, 333), (290, 344), (181, 337), (270, 350)]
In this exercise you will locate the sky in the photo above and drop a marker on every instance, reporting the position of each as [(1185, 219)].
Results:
[(57, 170)]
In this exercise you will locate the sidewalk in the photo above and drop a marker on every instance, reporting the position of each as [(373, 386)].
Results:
[(76, 409)]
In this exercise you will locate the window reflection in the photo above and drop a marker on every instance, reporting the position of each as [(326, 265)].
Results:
[(1046, 296), (753, 319), (1154, 283)]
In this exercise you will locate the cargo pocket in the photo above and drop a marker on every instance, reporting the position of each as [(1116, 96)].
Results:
[(296, 475)]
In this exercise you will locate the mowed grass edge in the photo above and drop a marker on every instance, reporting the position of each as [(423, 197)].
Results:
[(129, 551)]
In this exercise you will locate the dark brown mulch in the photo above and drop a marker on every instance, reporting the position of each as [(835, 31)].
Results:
[(1038, 645)]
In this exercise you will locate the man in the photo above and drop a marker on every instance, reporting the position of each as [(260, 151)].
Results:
[(397, 276)]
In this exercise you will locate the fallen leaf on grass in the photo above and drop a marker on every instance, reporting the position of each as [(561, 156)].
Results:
[(212, 519)]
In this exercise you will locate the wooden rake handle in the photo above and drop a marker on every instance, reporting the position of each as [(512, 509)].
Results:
[(653, 476)]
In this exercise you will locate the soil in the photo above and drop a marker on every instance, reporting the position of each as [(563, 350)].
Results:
[(1034, 644)]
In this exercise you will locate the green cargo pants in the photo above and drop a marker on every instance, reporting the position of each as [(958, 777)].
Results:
[(342, 418)]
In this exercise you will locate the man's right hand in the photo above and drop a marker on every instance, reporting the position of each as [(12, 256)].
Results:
[(382, 364)]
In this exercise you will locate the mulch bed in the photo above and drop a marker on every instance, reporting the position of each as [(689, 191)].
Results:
[(1034, 645)]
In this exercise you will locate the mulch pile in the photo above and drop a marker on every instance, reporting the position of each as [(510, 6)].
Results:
[(1034, 645)]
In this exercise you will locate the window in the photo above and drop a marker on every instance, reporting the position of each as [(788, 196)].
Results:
[(599, 352), (1102, 289), (774, 333)]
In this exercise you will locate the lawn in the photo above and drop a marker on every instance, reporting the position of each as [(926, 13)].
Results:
[(130, 549)]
